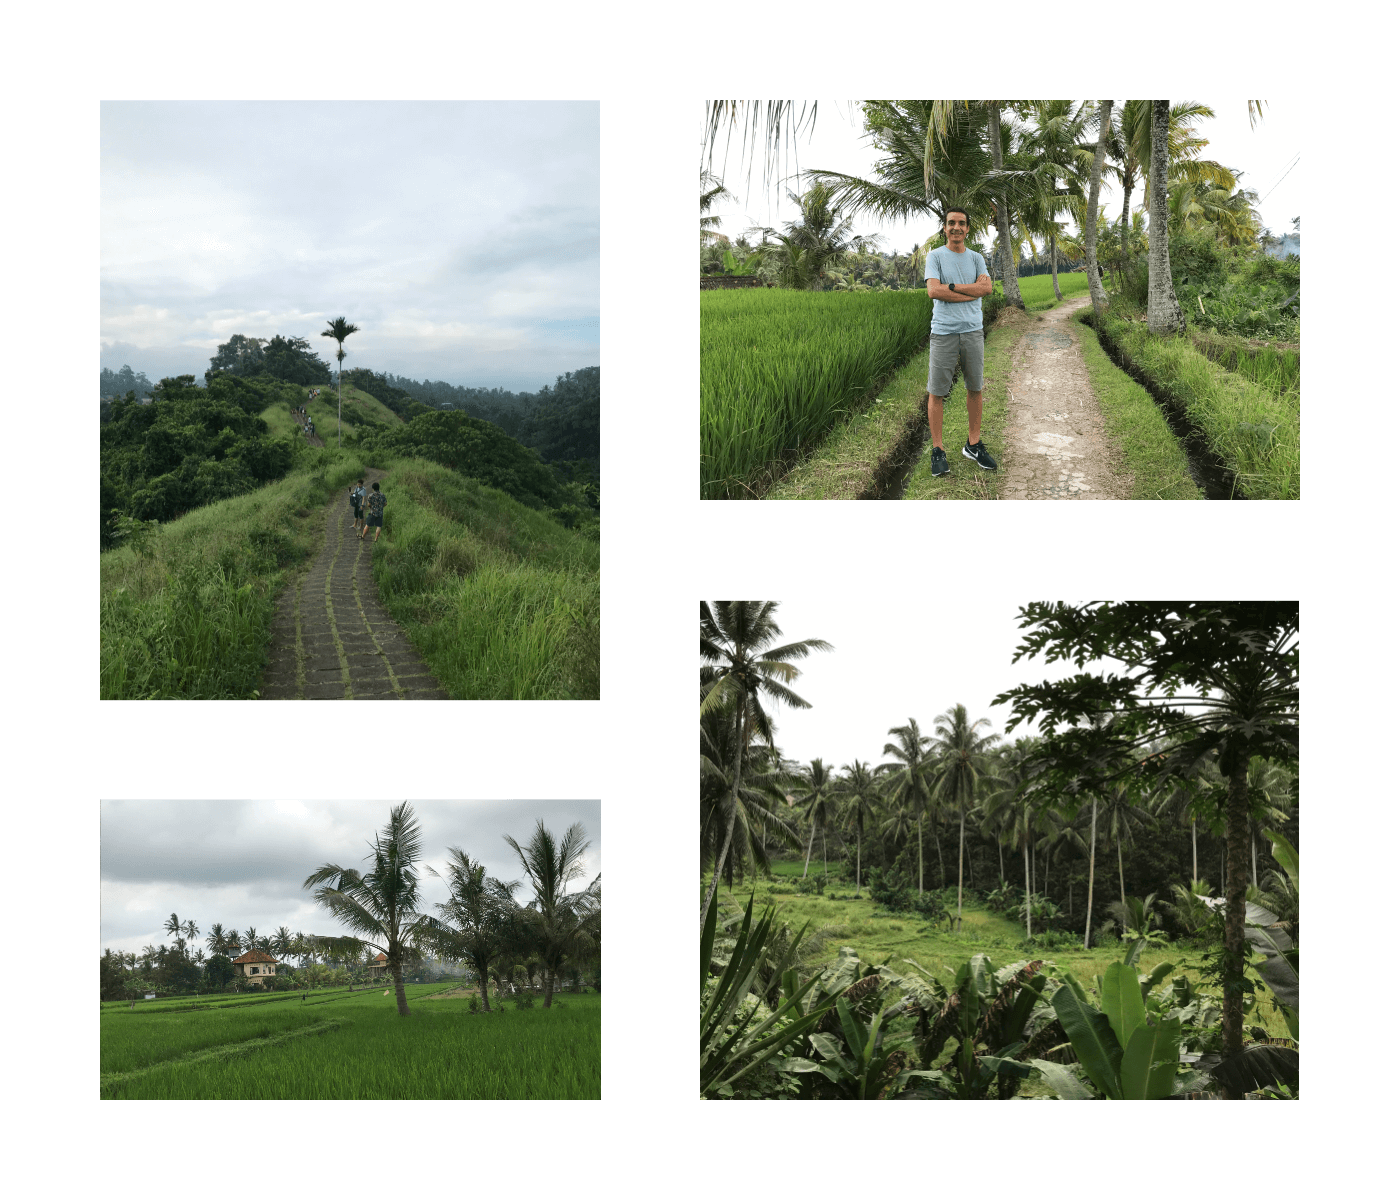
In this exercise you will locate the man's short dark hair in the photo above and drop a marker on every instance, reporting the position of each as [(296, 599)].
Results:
[(962, 211)]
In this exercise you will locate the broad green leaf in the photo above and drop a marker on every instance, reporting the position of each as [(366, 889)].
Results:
[(1149, 1063), (1093, 1040), (1006, 1066), (1121, 1001), (1285, 854), (1154, 978), (1062, 1080), (855, 1036), (795, 1066), (825, 1045)]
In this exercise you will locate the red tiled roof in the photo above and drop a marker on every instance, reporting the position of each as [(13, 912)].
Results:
[(253, 956), (381, 957)]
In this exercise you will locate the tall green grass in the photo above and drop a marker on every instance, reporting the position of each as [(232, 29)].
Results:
[(778, 368), (441, 1051), (1037, 290), (503, 602)]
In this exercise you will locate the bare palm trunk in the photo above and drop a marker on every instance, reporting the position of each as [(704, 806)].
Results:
[(1120, 874), (1053, 257), (732, 809), (1009, 263), (919, 854), (961, 856), (1235, 950), (858, 851), (1028, 898), (398, 988), (824, 858), (1000, 850), (1163, 312), (1094, 188), (1252, 838), (809, 846), (548, 987), (1127, 185), (941, 864), (1092, 866), (485, 987), (1194, 846)]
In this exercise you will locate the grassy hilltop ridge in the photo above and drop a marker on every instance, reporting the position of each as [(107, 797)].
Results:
[(360, 410), (187, 605)]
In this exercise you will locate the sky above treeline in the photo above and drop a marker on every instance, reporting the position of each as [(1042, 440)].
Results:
[(894, 660), (242, 862), (462, 238), (836, 142)]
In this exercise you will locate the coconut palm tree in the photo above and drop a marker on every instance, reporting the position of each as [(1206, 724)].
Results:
[(1269, 796), (565, 920), (281, 942), (190, 930), (173, 925), (216, 938), (339, 329), (820, 236), (943, 154), (1094, 189), (814, 793), (251, 938), (479, 920), (382, 903), (1123, 816), (960, 761), (711, 189), (1055, 140), (733, 637), (1163, 313), (859, 789), (907, 783), (761, 800)]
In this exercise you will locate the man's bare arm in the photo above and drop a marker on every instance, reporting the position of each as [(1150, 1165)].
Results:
[(937, 290)]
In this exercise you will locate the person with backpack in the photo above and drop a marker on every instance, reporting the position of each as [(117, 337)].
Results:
[(375, 520), (357, 504)]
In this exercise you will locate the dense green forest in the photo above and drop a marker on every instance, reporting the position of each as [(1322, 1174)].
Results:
[(1140, 849), (908, 814), (192, 445)]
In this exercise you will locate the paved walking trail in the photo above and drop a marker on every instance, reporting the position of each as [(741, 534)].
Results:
[(332, 639)]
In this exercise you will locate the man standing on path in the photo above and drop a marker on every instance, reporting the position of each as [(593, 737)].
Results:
[(956, 280), (375, 519)]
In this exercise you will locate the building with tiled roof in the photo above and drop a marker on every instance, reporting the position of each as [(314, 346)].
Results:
[(379, 964), (255, 964)]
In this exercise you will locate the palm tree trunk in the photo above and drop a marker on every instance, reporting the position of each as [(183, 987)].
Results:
[(1010, 276), (824, 858), (548, 988), (919, 853), (960, 859), (809, 845), (858, 852), (1127, 184), (1000, 850), (1053, 256), (1194, 846), (1163, 312), (484, 973), (1252, 838), (398, 988), (1235, 907), (1091, 861), (1028, 898), (732, 809), (941, 865), (1120, 874), (1099, 297)]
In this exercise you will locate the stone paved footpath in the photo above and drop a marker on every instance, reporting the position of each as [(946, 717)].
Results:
[(332, 639)]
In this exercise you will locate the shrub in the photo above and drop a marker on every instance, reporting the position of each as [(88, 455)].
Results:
[(815, 883), (474, 1004), (524, 999), (930, 906), (890, 888)]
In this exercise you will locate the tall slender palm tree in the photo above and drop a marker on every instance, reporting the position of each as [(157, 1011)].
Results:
[(1163, 313), (216, 938), (859, 789), (1123, 816), (565, 919), (251, 938), (733, 636), (821, 236), (339, 329), (940, 118), (281, 942), (814, 793), (1094, 189), (961, 760), (190, 930), (1269, 801), (173, 925), (907, 782), (383, 903), (1055, 140), (941, 153), (761, 800), (479, 920)]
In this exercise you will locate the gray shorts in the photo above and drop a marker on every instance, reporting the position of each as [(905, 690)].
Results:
[(942, 354)]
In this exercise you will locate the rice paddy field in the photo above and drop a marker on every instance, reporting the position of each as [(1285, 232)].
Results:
[(340, 1045)]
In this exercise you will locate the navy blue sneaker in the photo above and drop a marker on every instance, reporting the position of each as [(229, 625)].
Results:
[(979, 455), (940, 466)]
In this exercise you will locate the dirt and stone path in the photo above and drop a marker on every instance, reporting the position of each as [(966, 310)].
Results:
[(1054, 424), (332, 639)]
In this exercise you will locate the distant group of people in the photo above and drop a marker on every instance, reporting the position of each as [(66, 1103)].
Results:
[(367, 508)]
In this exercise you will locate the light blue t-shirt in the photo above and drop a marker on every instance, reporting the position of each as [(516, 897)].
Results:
[(955, 316)]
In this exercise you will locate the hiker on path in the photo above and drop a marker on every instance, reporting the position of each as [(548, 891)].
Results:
[(357, 504), (375, 521)]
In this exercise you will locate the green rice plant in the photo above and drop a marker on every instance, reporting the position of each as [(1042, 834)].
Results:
[(778, 368), (372, 1053)]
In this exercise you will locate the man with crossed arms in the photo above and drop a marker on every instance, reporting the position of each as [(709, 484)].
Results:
[(956, 280)]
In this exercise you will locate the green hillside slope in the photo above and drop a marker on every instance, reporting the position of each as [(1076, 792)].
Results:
[(501, 600)]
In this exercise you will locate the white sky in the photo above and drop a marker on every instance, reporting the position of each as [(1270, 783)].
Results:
[(837, 143), (886, 669), (462, 238), (242, 862)]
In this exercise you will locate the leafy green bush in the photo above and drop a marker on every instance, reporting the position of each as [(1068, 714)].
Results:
[(889, 888), (930, 906), (811, 884)]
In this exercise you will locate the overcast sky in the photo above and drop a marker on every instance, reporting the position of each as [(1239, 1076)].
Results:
[(899, 659), (837, 143), (462, 238), (242, 862)]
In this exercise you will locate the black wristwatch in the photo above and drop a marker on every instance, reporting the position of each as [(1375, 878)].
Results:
[(951, 287)]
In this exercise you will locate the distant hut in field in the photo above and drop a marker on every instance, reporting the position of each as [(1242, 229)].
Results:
[(255, 965), (379, 964)]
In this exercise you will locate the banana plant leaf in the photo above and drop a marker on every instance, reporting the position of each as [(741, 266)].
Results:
[(1285, 854), (1122, 1002), (1254, 1067), (1280, 967), (1150, 1060), (1062, 1080), (1093, 1040)]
